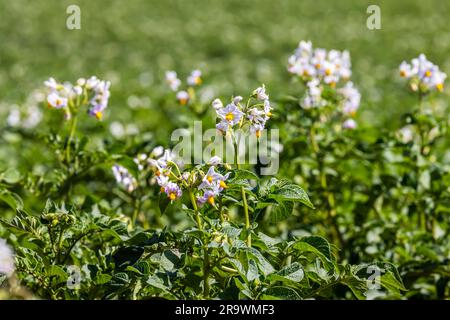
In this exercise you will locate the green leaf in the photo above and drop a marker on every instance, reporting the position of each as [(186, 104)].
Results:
[(291, 273), (11, 199), (357, 285), (58, 272), (169, 260), (317, 245), (291, 192), (102, 278), (240, 174), (280, 293), (163, 203), (281, 211), (10, 176), (252, 272), (263, 264)]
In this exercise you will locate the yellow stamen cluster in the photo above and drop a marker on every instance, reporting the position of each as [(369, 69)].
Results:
[(99, 115), (172, 196), (229, 116)]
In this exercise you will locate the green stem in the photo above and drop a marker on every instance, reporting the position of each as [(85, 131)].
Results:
[(194, 206), (206, 266), (244, 199), (331, 212), (222, 218), (422, 218), (73, 127), (137, 207)]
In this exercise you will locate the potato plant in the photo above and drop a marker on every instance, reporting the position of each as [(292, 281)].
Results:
[(349, 215)]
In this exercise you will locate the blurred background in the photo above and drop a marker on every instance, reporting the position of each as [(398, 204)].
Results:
[(238, 44)]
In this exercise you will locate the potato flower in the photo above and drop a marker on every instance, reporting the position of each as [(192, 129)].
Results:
[(194, 79), (183, 97), (124, 178), (423, 75), (6, 259), (172, 80), (349, 124)]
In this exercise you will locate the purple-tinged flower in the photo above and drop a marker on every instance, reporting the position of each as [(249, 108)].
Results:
[(208, 196), (172, 80), (194, 78), (124, 178), (349, 124), (183, 97), (215, 161), (100, 100), (56, 101), (260, 93), (217, 104), (214, 179), (172, 190), (237, 100), (231, 114)]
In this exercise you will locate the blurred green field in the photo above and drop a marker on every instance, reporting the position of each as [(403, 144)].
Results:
[(238, 45)]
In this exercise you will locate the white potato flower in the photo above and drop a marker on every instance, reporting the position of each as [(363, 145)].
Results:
[(6, 259)]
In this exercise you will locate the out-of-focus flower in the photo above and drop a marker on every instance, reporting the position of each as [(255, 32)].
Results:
[(172, 80), (352, 98), (215, 161), (327, 66), (194, 79), (172, 190), (140, 161), (349, 124), (66, 96), (92, 82), (237, 100), (6, 259), (267, 108), (423, 74), (260, 93), (52, 84), (157, 151), (56, 101), (124, 178), (99, 102), (313, 96), (405, 134), (183, 97), (217, 104)]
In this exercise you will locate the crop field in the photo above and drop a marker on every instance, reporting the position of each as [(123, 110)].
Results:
[(224, 150)]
